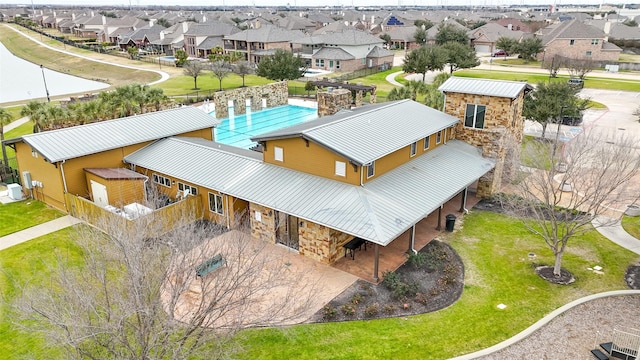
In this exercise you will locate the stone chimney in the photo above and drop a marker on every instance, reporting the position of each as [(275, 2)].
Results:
[(104, 20), (161, 35), (333, 100), (185, 27)]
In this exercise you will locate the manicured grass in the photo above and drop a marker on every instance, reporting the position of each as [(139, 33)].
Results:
[(632, 225), (533, 78), (20, 215), (28, 50), (498, 270), (30, 262), (181, 85), (14, 111), (500, 61), (26, 128), (596, 105)]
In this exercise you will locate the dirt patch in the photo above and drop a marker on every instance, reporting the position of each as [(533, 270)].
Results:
[(632, 277), (430, 280), (546, 272)]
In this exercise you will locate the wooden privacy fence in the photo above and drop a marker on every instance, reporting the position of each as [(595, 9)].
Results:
[(155, 224)]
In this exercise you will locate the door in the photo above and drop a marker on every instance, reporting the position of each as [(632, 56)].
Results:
[(287, 230), (99, 192)]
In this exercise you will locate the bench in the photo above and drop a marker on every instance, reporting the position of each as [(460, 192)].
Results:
[(210, 265), (355, 243)]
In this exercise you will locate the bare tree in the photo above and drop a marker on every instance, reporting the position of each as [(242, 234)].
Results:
[(194, 68), (137, 296), (580, 67), (242, 69), (220, 70), (569, 185), (554, 65)]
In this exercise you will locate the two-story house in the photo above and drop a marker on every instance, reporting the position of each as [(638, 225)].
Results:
[(201, 38), (345, 50), (263, 41), (574, 39)]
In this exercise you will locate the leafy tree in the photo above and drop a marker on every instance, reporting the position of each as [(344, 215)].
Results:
[(544, 104), (386, 38), (570, 191), (420, 36), (236, 20), (164, 22), (423, 24), (5, 119), (631, 23), (580, 67), (460, 56), (529, 48), (242, 69), (194, 68), (448, 33), (283, 65), (477, 24), (217, 54), (220, 70), (309, 87), (133, 52), (181, 58), (507, 44), (424, 59)]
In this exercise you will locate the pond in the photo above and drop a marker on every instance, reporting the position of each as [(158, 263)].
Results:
[(21, 80)]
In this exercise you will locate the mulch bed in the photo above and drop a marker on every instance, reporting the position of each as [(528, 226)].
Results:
[(632, 277), (546, 272), (433, 285)]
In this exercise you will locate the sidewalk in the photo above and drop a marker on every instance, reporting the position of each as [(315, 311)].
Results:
[(14, 124), (612, 229), (37, 231)]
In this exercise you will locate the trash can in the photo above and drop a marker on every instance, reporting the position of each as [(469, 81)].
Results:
[(451, 221)]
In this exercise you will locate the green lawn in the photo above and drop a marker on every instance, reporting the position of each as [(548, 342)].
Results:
[(632, 225), (29, 262), (180, 85), (494, 249), (533, 78), (20, 215)]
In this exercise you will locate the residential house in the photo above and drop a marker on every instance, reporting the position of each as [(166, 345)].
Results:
[(56, 160), (201, 38), (576, 40), (141, 38), (514, 24), (264, 41), (432, 32), (403, 37), (345, 50), (485, 37)]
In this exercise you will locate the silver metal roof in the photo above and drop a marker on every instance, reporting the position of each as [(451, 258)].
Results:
[(73, 142), (369, 133), (499, 88), (379, 211)]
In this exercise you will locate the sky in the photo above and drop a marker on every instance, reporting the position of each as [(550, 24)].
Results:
[(307, 2)]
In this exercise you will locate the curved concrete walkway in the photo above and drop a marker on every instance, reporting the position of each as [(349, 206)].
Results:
[(163, 75)]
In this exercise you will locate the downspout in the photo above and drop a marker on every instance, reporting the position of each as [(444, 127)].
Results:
[(64, 179), (226, 199), (361, 174)]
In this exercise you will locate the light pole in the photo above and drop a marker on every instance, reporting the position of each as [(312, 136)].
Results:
[(45, 83)]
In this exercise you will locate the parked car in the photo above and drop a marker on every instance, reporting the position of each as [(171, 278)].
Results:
[(576, 82), (572, 120), (500, 53)]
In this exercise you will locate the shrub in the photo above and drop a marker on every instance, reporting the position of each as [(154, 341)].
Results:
[(372, 309), (390, 279), (356, 298), (417, 260), (348, 309), (435, 257), (389, 308), (422, 298), (398, 288), (329, 312)]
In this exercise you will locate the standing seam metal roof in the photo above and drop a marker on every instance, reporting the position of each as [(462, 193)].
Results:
[(73, 142), (488, 87), (379, 211), (367, 134)]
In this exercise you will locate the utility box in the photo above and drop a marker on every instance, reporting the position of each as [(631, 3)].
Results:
[(15, 191)]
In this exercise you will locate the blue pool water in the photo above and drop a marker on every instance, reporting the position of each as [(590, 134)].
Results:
[(237, 130)]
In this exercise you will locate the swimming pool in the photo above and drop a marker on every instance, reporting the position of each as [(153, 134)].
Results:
[(237, 130)]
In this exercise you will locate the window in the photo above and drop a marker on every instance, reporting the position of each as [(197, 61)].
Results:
[(438, 137), (594, 41), (571, 42), (426, 142), (341, 168), (278, 153), (588, 53), (215, 203), (319, 62), (474, 116), (371, 169), (192, 189), (414, 146), (337, 64), (161, 180)]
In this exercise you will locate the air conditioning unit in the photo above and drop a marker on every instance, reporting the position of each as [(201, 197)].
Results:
[(26, 176), (14, 191)]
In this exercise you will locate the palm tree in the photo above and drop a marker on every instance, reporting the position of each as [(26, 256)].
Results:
[(5, 119), (30, 110), (156, 97)]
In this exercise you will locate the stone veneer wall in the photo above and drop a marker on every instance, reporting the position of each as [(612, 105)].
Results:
[(330, 102), (276, 94), (265, 229), (503, 124), (321, 243)]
